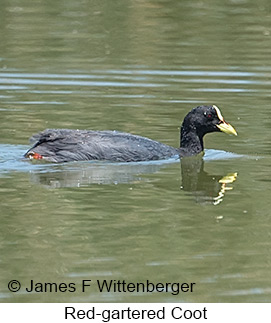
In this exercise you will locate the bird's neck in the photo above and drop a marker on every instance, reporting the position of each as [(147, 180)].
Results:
[(191, 140)]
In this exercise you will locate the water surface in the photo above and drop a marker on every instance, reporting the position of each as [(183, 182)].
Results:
[(139, 67)]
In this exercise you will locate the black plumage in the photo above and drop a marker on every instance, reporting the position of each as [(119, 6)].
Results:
[(63, 145)]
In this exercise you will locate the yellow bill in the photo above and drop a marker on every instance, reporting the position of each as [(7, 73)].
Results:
[(224, 126), (227, 128)]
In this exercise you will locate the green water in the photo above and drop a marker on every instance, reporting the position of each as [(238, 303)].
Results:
[(136, 66)]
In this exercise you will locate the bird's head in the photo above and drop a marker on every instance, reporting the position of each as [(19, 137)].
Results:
[(206, 119)]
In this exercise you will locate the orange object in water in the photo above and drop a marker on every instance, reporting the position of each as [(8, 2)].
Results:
[(34, 156)]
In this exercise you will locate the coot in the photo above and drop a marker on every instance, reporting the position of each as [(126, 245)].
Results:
[(64, 145)]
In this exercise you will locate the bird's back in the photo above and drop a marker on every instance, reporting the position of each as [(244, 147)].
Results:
[(61, 145)]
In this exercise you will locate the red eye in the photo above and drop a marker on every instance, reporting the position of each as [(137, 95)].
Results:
[(208, 115)]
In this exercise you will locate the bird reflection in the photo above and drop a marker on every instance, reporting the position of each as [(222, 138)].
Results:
[(86, 173), (207, 188)]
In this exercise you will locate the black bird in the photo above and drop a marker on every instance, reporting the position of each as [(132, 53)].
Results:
[(64, 145)]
